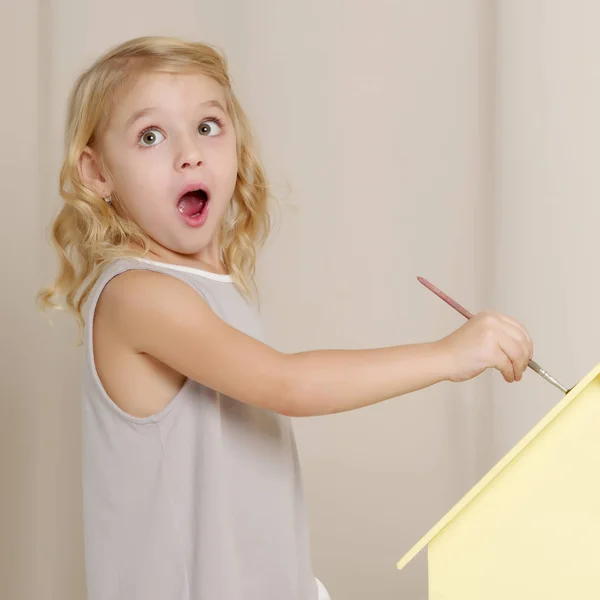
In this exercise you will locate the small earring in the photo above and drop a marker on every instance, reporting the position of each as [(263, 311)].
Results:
[(108, 200)]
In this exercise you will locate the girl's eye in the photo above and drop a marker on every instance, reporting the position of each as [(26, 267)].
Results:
[(210, 128), (151, 137)]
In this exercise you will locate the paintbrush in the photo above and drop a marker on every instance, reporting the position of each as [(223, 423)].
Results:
[(465, 313)]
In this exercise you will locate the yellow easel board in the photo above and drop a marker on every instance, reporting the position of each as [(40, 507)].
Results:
[(531, 527)]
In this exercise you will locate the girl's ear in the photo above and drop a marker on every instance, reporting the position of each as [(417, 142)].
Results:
[(90, 171)]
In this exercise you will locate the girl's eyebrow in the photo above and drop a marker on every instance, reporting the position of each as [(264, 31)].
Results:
[(213, 104), (138, 114)]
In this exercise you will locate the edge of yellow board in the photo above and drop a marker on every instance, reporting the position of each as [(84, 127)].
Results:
[(498, 468)]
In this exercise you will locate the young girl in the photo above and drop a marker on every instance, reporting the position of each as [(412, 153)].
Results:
[(192, 488)]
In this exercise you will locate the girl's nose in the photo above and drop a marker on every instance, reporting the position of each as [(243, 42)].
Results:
[(189, 157)]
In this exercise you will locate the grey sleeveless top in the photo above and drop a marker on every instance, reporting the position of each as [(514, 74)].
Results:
[(202, 501)]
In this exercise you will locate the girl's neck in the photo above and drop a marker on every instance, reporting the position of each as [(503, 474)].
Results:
[(209, 260)]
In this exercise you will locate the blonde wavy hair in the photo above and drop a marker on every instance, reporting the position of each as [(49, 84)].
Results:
[(86, 233)]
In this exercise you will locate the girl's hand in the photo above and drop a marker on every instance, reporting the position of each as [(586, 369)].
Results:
[(487, 340)]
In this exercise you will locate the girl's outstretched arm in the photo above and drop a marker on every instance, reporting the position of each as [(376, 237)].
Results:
[(161, 316)]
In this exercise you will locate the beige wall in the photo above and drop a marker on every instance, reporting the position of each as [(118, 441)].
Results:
[(378, 124), (452, 140), (18, 358), (546, 208)]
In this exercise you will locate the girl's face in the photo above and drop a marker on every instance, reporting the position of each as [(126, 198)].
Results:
[(171, 161)]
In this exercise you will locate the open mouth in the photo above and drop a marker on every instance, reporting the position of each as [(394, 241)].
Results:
[(193, 203)]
